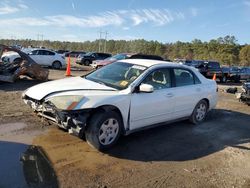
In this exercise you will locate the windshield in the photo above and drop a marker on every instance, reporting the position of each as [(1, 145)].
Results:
[(117, 57), (117, 75)]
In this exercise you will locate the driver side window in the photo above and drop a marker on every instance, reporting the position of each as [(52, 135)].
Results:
[(159, 79)]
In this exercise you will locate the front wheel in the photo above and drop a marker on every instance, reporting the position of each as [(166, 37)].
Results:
[(87, 62), (17, 60), (104, 130), (223, 79), (199, 112)]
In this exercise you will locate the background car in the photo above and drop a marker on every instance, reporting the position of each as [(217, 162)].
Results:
[(232, 73), (245, 73), (48, 58), (61, 51), (42, 57), (86, 59), (98, 64), (73, 53), (11, 56), (193, 63), (211, 68)]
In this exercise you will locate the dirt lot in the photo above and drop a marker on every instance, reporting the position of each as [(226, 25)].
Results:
[(213, 154)]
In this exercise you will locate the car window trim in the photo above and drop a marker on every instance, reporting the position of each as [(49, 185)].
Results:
[(193, 74), (136, 88)]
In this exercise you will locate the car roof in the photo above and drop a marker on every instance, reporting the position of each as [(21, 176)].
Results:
[(149, 62)]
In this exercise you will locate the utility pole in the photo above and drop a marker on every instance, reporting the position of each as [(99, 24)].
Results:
[(38, 37), (100, 41), (106, 34), (42, 39)]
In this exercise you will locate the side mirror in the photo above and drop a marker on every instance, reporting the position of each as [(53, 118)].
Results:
[(146, 88)]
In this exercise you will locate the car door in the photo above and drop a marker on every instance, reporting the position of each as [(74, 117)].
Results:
[(187, 92), (155, 107), (35, 56), (48, 57)]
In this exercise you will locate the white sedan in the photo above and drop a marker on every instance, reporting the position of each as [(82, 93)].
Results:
[(48, 58), (122, 98), (42, 57)]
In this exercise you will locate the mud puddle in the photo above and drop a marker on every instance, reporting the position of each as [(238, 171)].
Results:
[(21, 163), (25, 166)]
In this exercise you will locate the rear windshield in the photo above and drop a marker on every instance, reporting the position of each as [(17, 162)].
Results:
[(213, 64)]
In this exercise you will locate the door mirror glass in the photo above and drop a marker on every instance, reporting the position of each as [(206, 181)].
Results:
[(146, 88)]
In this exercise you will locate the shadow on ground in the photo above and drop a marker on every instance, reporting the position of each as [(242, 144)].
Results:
[(19, 85), (25, 82), (25, 166), (183, 141)]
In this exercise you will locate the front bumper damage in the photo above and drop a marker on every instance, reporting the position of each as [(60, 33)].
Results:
[(72, 120)]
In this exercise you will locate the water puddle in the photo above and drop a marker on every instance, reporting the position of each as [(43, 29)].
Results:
[(23, 165)]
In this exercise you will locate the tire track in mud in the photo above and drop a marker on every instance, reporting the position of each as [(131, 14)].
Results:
[(157, 182)]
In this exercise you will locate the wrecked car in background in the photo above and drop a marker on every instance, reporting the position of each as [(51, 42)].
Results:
[(245, 94), (124, 97), (22, 65)]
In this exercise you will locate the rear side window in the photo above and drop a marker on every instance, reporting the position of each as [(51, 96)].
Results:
[(49, 53), (34, 52), (45, 52), (184, 77)]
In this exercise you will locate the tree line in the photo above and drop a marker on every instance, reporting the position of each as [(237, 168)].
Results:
[(224, 49)]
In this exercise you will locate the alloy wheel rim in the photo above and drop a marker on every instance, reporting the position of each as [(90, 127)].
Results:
[(108, 131), (201, 112)]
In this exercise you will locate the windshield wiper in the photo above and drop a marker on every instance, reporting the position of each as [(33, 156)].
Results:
[(99, 82)]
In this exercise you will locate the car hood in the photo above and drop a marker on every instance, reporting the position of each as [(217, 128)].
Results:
[(40, 91)]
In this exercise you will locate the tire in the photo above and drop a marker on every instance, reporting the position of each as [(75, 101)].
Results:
[(56, 65), (87, 62), (223, 79), (104, 130), (17, 60), (199, 112), (237, 79)]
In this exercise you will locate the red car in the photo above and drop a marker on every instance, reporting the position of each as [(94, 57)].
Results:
[(100, 63)]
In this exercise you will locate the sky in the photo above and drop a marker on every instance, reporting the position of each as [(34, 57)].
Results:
[(162, 20)]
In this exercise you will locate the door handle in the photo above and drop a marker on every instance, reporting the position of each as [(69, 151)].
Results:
[(169, 95)]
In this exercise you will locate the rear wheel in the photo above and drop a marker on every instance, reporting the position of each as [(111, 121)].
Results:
[(56, 65), (199, 112), (87, 62), (237, 79), (104, 130)]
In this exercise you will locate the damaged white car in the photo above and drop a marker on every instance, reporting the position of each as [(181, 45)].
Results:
[(122, 98)]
